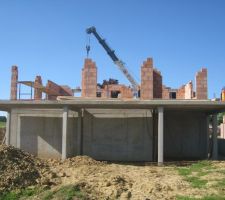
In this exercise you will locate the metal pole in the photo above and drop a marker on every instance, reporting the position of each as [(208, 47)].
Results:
[(160, 135), (214, 137), (64, 132)]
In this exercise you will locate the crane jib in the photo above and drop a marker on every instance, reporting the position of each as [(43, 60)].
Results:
[(115, 59)]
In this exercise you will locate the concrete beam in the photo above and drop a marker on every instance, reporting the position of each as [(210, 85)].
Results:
[(7, 134), (64, 132), (160, 135), (214, 137)]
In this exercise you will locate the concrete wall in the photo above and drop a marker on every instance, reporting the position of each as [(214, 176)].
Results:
[(185, 135), (221, 146), (120, 135), (40, 132), (107, 134)]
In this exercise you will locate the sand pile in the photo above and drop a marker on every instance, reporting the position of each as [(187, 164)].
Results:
[(19, 169)]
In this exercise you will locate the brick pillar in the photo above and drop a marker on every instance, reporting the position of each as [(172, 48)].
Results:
[(37, 85), (147, 79), (157, 84), (14, 80), (89, 79), (201, 84)]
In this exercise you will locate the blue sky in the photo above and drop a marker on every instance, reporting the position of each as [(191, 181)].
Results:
[(47, 38)]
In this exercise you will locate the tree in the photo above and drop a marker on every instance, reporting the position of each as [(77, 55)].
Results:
[(2, 119)]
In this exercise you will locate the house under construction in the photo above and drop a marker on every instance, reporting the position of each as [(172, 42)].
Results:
[(108, 123)]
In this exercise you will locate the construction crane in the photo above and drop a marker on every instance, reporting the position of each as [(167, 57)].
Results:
[(116, 60)]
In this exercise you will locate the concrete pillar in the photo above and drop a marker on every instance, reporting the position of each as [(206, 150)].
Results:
[(160, 135), (14, 80), (214, 137), (64, 132), (7, 135)]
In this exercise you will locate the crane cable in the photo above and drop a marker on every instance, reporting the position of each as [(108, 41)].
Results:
[(88, 46)]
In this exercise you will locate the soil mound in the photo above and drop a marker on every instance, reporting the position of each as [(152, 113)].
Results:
[(2, 134), (82, 160), (19, 169)]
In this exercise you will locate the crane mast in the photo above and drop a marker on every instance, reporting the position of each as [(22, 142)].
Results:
[(116, 60)]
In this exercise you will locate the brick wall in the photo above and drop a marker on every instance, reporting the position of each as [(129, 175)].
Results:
[(14, 80), (188, 90), (54, 90), (201, 84), (89, 79), (157, 84), (37, 86), (125, 92), (151, 81), (165, 92), (147, 79), (181, 92)]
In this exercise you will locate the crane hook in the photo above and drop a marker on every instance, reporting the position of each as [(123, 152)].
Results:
[(88, 47)]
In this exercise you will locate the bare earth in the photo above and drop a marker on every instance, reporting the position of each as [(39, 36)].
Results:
[(122, 181), (101, 180)]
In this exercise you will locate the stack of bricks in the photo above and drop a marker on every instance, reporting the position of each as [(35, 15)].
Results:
[(222, 128), (89, 79), (165, 92), (14, 80), (201, 84), (147, 79), (37, 88), (157, 84)]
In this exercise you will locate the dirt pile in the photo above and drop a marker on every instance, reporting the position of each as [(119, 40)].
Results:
[(82, 160), (2, 134), (19, 169)]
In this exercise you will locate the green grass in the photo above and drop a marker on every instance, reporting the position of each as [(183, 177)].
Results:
[(194, 172), (66, 193), (213, 197), (2, 124), (196, 182), (14, 195)]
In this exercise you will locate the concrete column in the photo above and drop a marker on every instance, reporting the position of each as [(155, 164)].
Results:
[(7, 135), (160, 135), (214, 137), (64, 132)]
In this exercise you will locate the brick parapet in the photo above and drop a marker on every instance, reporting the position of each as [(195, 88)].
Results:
[(201, 84), (14, 82), (89, 79), (37, 90)]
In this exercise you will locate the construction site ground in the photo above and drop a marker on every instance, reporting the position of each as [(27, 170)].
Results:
[(23, 176)]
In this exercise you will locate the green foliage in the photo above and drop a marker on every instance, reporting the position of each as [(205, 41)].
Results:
[(17, 194), (220, 117), (2, 119), (212, 197), (68, 192)]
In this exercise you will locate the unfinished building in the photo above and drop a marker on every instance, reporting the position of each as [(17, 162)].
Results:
[(107, 123)]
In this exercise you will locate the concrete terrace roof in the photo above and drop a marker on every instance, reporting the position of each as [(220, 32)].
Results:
[(77, 103)]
